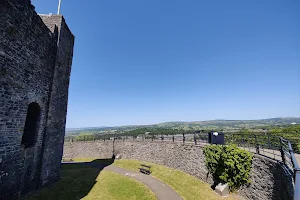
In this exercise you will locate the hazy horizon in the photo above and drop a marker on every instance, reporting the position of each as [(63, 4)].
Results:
[(176, 121)]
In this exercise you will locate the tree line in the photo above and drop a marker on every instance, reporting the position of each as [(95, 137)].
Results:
[(290, 132)]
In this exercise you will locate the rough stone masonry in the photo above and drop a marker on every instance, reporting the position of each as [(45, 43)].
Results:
[(267, 176), (35, 62)]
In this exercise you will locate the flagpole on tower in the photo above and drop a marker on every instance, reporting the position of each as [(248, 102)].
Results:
[(58, 10)]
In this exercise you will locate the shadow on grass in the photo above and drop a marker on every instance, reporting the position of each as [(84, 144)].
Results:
[(77, 180), (100, 163)]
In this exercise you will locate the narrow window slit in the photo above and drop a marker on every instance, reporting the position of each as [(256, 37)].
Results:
[(31, 125)]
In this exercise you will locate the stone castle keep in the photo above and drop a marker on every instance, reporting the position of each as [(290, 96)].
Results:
[(35, 62)]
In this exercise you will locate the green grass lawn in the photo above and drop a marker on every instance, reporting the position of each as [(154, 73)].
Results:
[(187, 186), (82, 182)]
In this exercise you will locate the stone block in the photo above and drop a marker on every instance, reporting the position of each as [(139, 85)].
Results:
[(222, 189)]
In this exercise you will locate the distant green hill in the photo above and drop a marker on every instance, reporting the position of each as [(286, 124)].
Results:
[(198, 125)]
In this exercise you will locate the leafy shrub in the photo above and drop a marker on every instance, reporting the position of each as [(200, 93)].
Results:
[(228, 164), (212, 160)]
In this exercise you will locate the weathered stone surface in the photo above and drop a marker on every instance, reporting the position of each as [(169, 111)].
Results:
[(34, 67), (222, 189), (267, 176)]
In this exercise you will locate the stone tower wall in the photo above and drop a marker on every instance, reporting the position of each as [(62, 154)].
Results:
[(35, 64), (56, 121)]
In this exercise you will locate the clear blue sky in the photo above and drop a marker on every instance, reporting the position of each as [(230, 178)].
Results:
[(144, 62)]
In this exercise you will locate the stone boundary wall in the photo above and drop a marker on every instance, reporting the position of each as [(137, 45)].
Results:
[(268, 178)]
